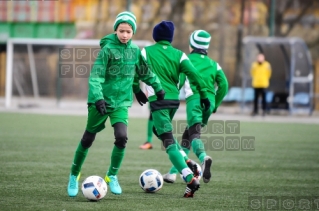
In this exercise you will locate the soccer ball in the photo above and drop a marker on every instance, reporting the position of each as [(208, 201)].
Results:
[(199, 168), (151, 181), (94, 188)]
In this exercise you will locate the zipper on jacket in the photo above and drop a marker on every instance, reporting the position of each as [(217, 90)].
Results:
[(123, 56)]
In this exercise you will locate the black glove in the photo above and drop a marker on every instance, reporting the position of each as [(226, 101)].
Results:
[(141, 97), (205, 103), (160, 94), (101, 106)]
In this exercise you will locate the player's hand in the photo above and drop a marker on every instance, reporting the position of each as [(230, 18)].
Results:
[(205, 103), (160, 94), (141, 98), (101, 106)]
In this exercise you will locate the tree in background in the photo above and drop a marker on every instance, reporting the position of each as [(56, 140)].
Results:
[(297, 9)]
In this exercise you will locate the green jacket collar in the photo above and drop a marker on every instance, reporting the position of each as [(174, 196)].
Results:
[(164, 42)]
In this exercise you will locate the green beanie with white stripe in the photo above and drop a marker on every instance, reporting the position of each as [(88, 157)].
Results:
[(125, 17), (200, 39)]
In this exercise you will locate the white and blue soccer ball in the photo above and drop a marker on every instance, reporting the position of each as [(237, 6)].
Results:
[(199, 168), (94, 188), (151, 181)]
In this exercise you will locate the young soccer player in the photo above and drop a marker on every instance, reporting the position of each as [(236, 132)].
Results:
[(197, 117), (167, 63), (110, 95)]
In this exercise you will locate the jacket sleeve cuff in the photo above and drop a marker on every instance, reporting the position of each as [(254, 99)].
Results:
[(136, 88), (158, 88), (203, 94)]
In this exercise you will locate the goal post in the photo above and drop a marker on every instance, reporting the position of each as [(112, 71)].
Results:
[(30, 42)]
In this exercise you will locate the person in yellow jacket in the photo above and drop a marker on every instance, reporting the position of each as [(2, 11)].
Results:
[(260, 73)]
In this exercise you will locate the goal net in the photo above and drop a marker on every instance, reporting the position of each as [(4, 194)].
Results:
[(50, 71)]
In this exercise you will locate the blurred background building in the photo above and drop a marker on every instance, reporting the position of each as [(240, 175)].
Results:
[(228, 21)]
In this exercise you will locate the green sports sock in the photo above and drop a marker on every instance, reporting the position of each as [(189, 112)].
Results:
[(182, 151), (116, 160), (202, 157), (177, 160), (175, 157), (173, 170), (199, 149), (79, 157), (189, 177), (150, 125), (186, 150)]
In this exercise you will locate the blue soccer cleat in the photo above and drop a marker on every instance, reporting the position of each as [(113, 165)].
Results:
[(73, 186), (113, 184)]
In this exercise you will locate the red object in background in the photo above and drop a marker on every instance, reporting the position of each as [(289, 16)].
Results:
[(36, 11), (3, 11), (46, 10), (20, 12)]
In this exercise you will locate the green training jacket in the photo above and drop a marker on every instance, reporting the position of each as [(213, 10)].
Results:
[(167, 63), (212, 73), (114, 70)]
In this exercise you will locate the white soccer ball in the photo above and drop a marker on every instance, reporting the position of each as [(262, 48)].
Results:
[(199, 168), (151, 180), (94, 188)]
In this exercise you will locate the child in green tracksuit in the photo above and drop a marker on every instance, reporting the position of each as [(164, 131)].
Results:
[(119, 63), (196, 116), (167, 63)]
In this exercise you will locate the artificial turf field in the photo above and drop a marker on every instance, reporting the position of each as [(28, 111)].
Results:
[(36, 152)]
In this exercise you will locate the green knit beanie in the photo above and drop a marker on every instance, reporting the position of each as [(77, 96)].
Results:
[(125, 17), (200, 39)]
